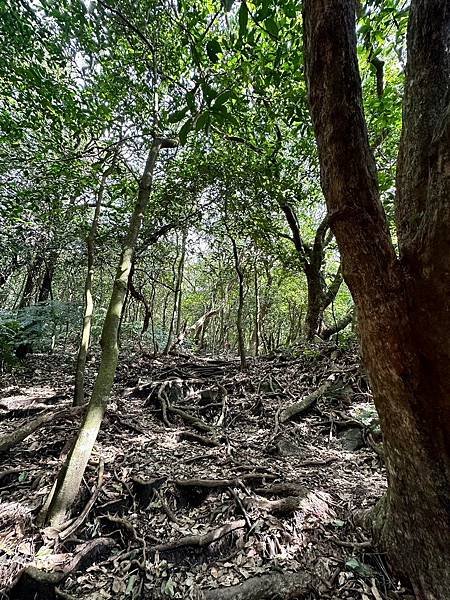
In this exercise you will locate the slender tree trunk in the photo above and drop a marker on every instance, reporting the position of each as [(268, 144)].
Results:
[(402, 305), (152, 319), (257, 324), (176, 310), (240, 310), (45, 289), (164, 311), (338, 326), (78, 396), (30, 282), (69, 479), (180, 283)]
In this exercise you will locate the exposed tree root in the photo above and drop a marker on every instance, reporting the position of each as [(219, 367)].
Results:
[(282, 586), (145, 488), (202, 540), (221, 483), (305, 404), (284, 506), (40, 585), (200, 439), (190, 419), (282, 489)]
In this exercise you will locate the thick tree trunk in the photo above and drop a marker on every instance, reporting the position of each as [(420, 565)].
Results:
[(78, 396), (66, 489), (402, 305)]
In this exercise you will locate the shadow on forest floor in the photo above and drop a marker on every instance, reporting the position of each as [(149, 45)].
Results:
[(200, 480)]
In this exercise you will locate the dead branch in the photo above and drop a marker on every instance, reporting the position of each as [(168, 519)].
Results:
[(20, 433), (305, 404)]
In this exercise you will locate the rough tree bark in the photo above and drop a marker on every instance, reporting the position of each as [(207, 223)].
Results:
[(402, 304), (70, 476)]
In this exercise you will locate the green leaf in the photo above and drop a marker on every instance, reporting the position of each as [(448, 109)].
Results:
[(169, 587), (202, 120), (243, 19), (176, 116), (338, 523), (290, 10), (359, 567), (271, 26), (130, 584), (223, 98), (209, 92), (190, 100), (212, 50), (227, 5), (263, 11), (183, 133)]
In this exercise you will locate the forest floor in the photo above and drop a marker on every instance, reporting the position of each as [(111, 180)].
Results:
[(200, 479)]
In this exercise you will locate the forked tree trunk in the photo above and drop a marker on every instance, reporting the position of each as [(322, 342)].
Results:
[(312, 260), (78, 396), (402, 304), (69, 479)]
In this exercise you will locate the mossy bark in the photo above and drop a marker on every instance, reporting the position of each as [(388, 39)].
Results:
[(71, 474), (78, 396)]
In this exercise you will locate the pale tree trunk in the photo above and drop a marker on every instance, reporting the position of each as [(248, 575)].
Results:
[(78, 396), (69, 479), (402, 304)]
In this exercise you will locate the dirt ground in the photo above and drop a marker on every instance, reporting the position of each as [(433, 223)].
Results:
[(200, 479)]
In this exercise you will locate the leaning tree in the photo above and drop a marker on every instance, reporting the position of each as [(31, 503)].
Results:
[(402, 300)]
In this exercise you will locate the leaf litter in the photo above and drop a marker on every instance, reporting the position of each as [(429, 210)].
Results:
[(202, 485)]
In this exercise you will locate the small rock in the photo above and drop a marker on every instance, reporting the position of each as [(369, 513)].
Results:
[(352, 439)]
